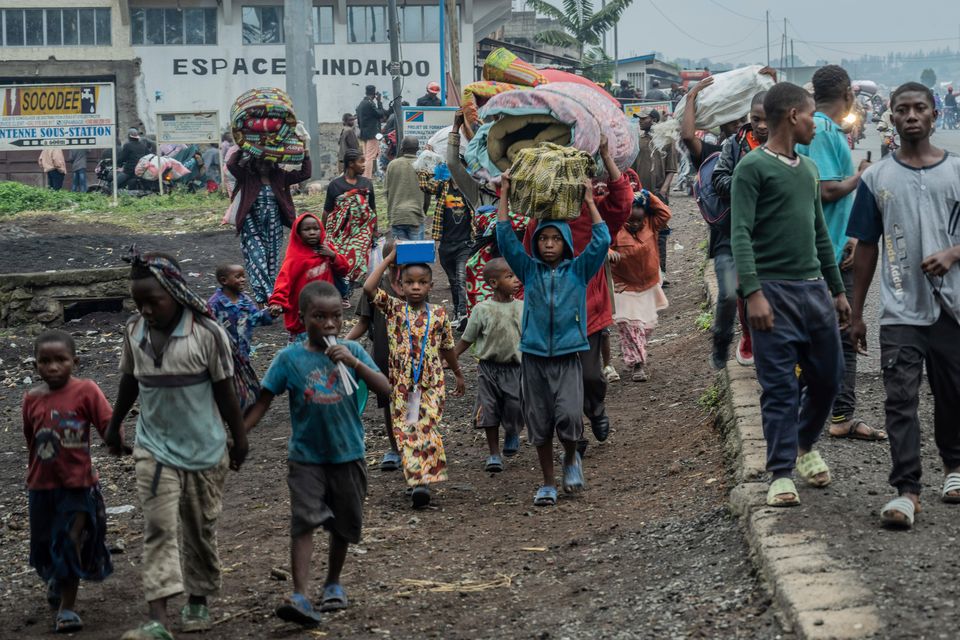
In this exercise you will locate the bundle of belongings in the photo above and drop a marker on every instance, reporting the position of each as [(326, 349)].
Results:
[(547, 181), (150, 167), (264, 126)]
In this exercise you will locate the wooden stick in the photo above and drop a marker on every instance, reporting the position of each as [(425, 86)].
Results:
[(237, 614)]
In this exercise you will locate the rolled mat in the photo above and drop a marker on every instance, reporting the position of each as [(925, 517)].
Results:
[(264, 126)]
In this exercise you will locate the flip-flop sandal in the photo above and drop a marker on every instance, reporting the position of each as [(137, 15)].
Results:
[(951, 482), (511, 444), (297, 609), (390, 462), (779, 487), (420, 496), (334, 598), (809, 466), (68, 622), (573, 477), (546, 497), (152, 630), (852, 433), (494, 464), (903, 506)]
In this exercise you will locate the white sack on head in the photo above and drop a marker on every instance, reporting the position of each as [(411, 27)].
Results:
[(727, 99)]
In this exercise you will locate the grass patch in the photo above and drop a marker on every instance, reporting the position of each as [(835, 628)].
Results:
[(710, 400), (704, 321)]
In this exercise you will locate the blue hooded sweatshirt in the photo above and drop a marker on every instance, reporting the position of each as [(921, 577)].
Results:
[(554, 298)]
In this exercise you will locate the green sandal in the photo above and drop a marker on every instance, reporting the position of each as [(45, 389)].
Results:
[(809, 466), (194, 618), (780, 487), (152, 630)]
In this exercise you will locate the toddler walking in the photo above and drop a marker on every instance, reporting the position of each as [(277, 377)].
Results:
[(494, 327), (418, 335), (637, 293), (236, 312), (68, 524)]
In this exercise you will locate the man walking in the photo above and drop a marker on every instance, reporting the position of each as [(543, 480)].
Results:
[(54, 167), (370, 113), (405, 200), (78, 165), (348, 139)]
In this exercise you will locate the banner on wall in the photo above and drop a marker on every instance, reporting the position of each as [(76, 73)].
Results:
[(61, 116)]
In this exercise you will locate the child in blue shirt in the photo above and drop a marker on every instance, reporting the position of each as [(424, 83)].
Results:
[(327, 473), (554, 332), (236, 311)]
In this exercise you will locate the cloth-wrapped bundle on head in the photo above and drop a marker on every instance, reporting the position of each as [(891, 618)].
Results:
[(264, 126), (547, 181)]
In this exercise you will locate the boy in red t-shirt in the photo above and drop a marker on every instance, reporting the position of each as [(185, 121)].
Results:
[(68, 521)]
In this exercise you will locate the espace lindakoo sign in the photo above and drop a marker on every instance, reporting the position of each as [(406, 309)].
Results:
[(57, 115), (348, 67)]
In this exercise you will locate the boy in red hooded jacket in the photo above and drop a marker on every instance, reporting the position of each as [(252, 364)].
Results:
[(309, 258)]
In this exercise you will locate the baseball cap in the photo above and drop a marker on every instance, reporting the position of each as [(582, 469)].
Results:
[(433, 87), (133, 133), (643, 112)]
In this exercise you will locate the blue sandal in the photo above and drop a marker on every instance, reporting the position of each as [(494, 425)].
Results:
[(573, 477), (546, 497), (334, 598), (390, 462), (68, 622), (297, 608), (494, 464)]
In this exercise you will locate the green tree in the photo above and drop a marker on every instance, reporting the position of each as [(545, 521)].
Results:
[(928, 77), (579, 26)]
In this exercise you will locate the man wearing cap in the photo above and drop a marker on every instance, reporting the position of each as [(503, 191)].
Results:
[(370, 113), (348, 139), (431, 98), (131, 152)]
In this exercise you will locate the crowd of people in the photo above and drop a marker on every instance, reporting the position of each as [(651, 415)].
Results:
[(534, 301)]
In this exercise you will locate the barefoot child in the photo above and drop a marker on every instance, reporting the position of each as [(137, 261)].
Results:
[(235, 310), (789, 277), (309, 258), (418, 334), (178, 361), (68, 523), (636, 280), (326, 469), (555, 332), (494, 329), (371, 321)]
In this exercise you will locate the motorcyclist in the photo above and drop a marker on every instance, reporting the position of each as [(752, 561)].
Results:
[(950, 109), (131, 152)]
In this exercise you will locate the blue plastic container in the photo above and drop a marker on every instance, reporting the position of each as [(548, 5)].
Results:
[(415, 252)]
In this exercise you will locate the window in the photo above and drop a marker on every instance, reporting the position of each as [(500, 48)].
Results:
[(367, 24), (323, 25), (173, 26), (418, 23), (56, 27), (264, 25)]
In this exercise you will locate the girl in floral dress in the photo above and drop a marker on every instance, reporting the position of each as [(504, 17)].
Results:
[(418, 335)]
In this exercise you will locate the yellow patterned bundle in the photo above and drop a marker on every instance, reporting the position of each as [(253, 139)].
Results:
[(503, 65), (546, 181)]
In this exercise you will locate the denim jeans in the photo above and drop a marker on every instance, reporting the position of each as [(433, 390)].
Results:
[(725, 315), (903, 351), (846, 402), (407, 232), (55, 179), (805, 332), (79, 181), (453, 259)]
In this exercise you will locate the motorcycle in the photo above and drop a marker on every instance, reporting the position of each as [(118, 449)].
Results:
[(888, 137)]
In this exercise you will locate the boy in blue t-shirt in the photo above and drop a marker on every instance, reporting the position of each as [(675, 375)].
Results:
[(327, 474)]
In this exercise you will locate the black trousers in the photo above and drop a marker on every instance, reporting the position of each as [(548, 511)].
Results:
[(594, 382), (903, 351)]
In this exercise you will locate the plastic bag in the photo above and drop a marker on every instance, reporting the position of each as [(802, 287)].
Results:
[(230, 217)]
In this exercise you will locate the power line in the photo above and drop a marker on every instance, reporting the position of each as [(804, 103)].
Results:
[(693, 37), (883, 41), (736, 13)]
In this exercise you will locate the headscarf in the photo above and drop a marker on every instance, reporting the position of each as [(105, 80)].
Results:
[(168, 274)]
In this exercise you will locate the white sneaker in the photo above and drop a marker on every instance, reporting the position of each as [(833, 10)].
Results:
[(611, 374)]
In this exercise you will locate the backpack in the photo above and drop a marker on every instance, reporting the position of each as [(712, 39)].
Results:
[(713, 208)]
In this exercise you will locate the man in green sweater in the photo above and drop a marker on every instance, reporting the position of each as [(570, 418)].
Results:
[(405, 201), (788, 273)]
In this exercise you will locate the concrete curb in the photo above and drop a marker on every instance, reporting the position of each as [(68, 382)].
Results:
[(820, 598)]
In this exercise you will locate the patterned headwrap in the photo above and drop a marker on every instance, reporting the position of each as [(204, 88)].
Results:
[(168, 274), (641, 198)]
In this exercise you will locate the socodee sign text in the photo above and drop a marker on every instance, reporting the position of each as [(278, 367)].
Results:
[(278, 66)]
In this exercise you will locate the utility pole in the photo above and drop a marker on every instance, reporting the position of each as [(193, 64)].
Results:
[(395, 66), (453, 31), (793, 61), (298, 49), (768, 37), (603, 5), (616, 54)]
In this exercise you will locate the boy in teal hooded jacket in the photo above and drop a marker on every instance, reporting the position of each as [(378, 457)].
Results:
[(553, 332)]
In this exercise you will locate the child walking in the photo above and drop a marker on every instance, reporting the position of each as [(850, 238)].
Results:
[(68, 523), (554, 333), (788, 274), (325, 460), (637, 294), (370, 321), (309, 258), (418, 335), (494, 329), (178, 361), (236, 312)]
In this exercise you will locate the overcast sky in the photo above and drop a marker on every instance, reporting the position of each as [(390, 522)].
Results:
[(735, 30)]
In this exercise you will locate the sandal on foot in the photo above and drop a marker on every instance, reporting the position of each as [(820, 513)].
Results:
[(297, 609), (546, 497), (390, 462), (904, 507), (152, 630), (853, 432), (951, 482), (573, 477), (494, 464), (420, 496), (782, 486), (809, 466), (640, 374), (334, 598), (194, 618), (511, 444), (68, 622)]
